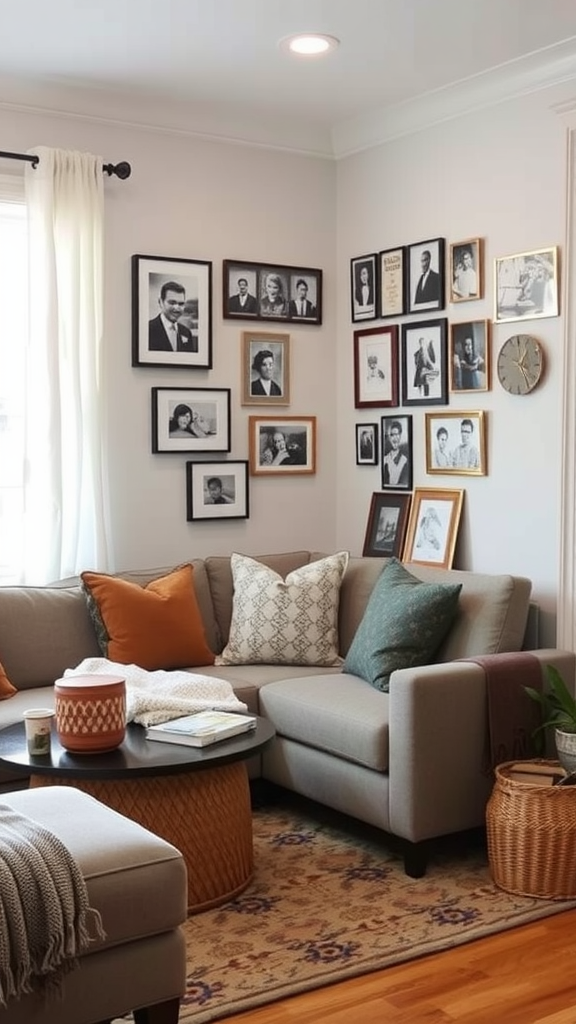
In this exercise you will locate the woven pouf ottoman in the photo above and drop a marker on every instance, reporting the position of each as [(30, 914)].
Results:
[(531, 833)]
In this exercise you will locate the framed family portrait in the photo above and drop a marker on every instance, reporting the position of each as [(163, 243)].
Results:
[(376, 367), (171, 312), (392, 282), (425, 363), (456, 443), (396, 447), (217, 490), (433, 527), (386, 527), (366, 444), (426, 278), (282, 445), (466, 271), (190, 420), (262, 291), (363, 287), (265, 368), (469, 356), (526, 285)]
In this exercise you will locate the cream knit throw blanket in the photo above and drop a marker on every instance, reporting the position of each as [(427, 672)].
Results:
[(153, 697), (45, 920)]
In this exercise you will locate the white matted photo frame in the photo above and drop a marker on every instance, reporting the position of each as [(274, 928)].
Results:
[(171, 312), (282, 445), (425, 362), (392, 280), (366, 444), (433, 527), (456, 443), (386, 527), (217, 490), (469, 356), (190, 420), (376, 366), (265, 371), (526, 285), (426, 275), (364, 287), (466, 270)]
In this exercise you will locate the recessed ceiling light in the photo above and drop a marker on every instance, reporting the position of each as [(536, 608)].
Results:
[(310, 44)]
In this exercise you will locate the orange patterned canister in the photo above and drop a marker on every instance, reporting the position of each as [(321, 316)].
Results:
[(90, 713)]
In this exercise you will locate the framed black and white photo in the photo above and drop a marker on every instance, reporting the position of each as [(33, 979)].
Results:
[(282, 445), (426, 284), (376, 367), (366, 444), (425, 363), (190, 420), (433, 527), (466, 271), (386, 527), (217, 490), (263, 291), (171, 312), (456, 443), (392, 282), (526, 285), (469, 356), (396, 448), (265, 368), (364, 287)]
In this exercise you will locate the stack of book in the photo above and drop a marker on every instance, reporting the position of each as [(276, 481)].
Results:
[(202, 728)]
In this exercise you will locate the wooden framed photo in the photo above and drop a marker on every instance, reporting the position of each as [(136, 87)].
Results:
[(386, 528), (466, 270), (469, 356), (282, 445), (265, 368), (364, 287), (217, 490), (171, 312), (190, 420), (376, 367), (426, 284), (366, 444), (433, 527), (263, 291), (526, 285), (392, 282), (425, 363), (456, 443), (396, 448)]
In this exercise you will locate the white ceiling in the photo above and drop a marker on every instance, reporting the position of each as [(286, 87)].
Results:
[(214, 66)]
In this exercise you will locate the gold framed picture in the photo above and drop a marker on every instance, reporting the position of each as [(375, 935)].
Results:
[(465, 270), (433, 527), (265, 372), (456, 443), (282, 445), (526, 285)]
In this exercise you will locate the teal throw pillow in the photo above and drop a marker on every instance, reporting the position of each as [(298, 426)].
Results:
[(404, 623)]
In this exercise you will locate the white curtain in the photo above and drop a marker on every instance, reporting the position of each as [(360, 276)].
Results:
[(65, 522)]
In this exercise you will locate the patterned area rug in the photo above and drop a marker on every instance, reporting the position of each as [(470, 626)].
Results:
[(329, 900)]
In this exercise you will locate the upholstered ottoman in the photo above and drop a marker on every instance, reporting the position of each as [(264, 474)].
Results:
[(138, 883)]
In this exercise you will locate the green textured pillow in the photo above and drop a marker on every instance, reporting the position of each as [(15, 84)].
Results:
[(404, 623)]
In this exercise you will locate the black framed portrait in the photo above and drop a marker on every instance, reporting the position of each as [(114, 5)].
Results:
[(425, 362), (396, 448), (275, 292), (426, 276), (364, 287), (171, 312), (366, 444)]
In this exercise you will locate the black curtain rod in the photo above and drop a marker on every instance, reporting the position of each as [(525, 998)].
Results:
[(121, 170)]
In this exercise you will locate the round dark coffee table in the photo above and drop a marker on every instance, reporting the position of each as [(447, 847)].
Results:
[(198, 799)]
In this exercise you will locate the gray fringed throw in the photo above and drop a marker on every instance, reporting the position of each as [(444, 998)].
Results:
[(45, 919)]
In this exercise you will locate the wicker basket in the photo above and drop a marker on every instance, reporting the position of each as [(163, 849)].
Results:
[(531, 832)]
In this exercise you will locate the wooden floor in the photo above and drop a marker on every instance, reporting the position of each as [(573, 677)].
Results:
[(523, 976)]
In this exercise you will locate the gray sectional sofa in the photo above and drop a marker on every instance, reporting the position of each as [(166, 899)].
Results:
[(410, 762)]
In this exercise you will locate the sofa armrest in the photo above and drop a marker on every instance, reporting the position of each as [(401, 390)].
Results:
[(439, 776)]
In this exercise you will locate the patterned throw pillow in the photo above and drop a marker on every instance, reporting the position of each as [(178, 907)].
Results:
[(404, 623), (285, 622)]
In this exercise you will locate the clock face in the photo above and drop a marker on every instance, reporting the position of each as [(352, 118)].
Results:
[(520, 364)]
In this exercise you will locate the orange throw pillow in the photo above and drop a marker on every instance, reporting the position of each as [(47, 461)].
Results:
[(158, 626), (6, 688)]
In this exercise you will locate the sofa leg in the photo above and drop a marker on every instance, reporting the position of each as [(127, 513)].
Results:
[(159, 1013), (415, 859)]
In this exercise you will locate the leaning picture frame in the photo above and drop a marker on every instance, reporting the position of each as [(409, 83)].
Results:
[(367, 444), (425, 362), (526, 285), (397, 462), (171, 312), (466, 270), (456, 443), (469, 356), (392, 281), (282, 445), (376, 366), (271, 291), (190, 420), (265, 371), (426, 276), (217, 490), (386, 526), (364, 287), (433, 526)]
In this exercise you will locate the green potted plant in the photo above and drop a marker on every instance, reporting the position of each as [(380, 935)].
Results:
[(559, 713)]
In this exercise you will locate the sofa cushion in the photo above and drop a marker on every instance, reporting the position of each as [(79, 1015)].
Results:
[(404, 624), (6, 688), (157, 626), (285, 621)]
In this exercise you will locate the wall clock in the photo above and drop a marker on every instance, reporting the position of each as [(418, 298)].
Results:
[(520, 364)]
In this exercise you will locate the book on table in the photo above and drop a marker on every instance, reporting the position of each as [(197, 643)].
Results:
[(202, 728)]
